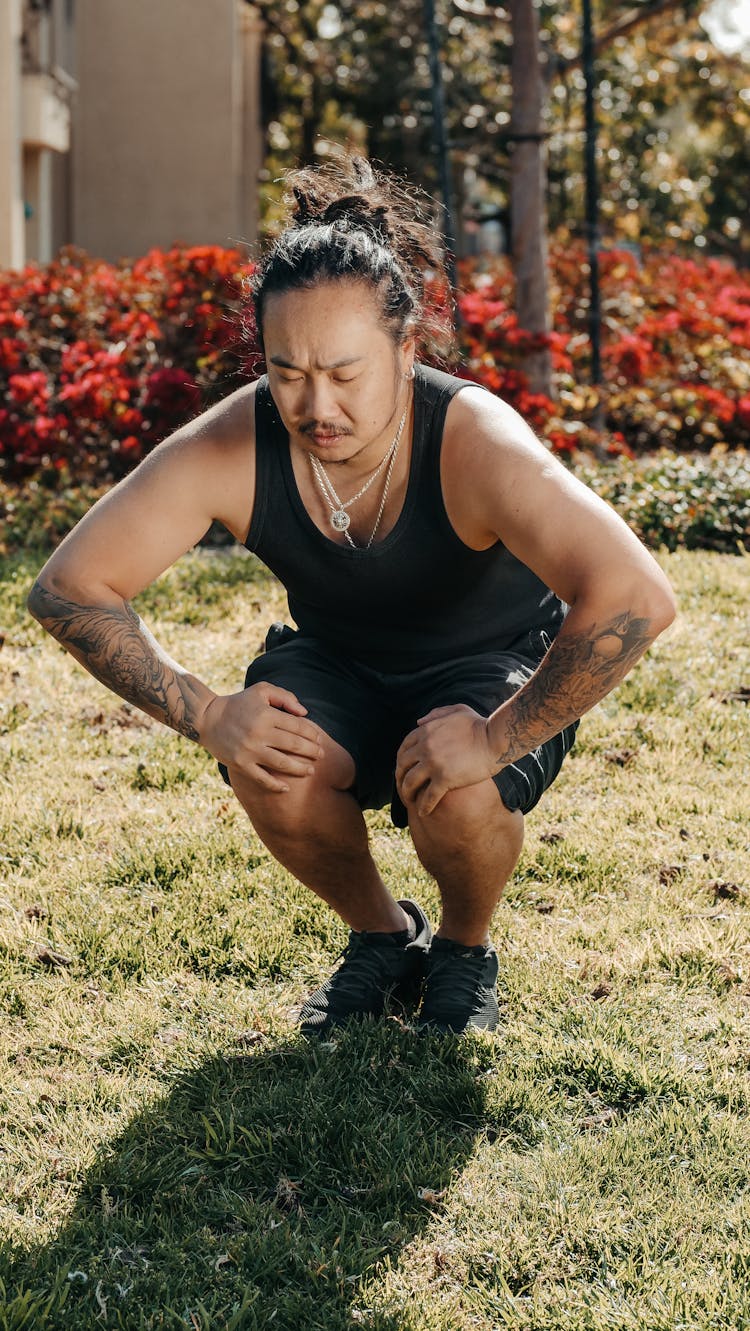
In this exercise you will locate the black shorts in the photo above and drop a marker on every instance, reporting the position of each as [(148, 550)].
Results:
[(370, 712)]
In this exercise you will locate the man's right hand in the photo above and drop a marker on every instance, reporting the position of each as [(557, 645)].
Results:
[(264, 732)]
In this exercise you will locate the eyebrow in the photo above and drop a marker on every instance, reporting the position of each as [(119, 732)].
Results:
[(336, 365)]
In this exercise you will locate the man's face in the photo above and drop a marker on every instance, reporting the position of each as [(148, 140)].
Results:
[(335, 373)]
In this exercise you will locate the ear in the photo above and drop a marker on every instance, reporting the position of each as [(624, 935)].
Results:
[(407, 353)]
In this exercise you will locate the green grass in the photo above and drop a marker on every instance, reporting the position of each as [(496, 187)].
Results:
[(173, 1155)]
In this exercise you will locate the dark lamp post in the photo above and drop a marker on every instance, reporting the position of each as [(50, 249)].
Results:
[(592, 203), (440, 137)]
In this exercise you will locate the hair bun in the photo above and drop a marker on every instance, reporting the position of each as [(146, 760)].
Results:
[(307, 206), (356, 212)]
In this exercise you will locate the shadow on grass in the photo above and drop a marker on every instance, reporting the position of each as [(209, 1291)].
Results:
[(266, 1190)]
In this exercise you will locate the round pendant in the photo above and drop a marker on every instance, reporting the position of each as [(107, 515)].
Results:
[(339, 519)]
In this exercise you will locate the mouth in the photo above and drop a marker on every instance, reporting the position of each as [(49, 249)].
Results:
[(320, 438)]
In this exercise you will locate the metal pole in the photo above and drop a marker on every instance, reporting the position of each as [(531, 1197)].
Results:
[(440, 138), (592, 200)]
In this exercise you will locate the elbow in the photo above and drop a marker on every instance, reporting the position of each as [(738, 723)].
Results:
[(662, 606), (35, 601), (43, 603)]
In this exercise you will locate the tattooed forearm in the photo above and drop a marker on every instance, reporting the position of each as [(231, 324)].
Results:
[(119, 651), (580, 668)]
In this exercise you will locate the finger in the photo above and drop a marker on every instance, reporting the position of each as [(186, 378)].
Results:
[(430, 798), (285, 763), (404, 766), (287, 741), (267, 781), (292, 725), (413, 782), (285, 700), (409, 746), (436, 713)]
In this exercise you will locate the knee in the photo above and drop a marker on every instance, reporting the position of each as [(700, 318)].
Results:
[(467, 817), (296, 810)]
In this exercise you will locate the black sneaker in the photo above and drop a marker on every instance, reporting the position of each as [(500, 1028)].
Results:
[(374, 967), (460, 988)]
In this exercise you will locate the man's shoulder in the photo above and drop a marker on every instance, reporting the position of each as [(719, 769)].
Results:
[(436, 381), (227, 424)]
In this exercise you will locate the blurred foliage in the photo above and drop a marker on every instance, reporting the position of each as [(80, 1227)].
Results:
[(671, 500), (668, 499), (99, 361), (673, 112), (676, 350)]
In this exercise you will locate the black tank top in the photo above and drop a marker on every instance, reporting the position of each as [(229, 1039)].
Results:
[(415, 598)]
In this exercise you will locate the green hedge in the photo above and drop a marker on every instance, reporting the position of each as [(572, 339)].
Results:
[(669, 499)]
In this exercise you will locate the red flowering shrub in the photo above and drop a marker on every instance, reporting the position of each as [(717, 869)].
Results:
[(98, 362), (676, 350)]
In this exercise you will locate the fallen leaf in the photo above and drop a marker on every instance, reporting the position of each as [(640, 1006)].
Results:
[(741, 694), (544, 907), (430, 1196), (620, 756), (223, 1260), (724, 891), (35, 913), (602, 990), (668, 873), (250, 1037), (47, 957), (550, 838)]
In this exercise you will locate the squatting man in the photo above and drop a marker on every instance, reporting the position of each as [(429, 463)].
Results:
[(460, 600)]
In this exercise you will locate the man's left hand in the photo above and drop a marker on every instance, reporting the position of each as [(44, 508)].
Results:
[(448, 750)]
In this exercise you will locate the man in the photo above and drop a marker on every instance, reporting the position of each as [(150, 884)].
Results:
[(461, 601)]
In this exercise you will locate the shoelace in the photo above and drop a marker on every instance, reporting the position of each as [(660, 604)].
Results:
[(463, 980), (352, 982)]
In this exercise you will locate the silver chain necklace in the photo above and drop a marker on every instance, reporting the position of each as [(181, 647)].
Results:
[(340, 519)]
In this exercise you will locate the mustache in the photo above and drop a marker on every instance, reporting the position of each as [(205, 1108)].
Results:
[(323, 427)]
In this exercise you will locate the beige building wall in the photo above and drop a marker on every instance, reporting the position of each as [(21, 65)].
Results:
[(11, 172), (166, 128), (35, 92)]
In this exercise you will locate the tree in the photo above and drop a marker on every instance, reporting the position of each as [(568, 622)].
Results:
[(528, 193), (673, 115)]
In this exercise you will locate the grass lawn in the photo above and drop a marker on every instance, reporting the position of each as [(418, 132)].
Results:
[(174, 1155)]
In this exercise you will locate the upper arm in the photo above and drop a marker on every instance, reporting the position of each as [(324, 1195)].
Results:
[(202, 472), (513, 489)]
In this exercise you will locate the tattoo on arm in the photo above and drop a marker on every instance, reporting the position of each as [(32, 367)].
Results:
[(580, 668), (117, 649)]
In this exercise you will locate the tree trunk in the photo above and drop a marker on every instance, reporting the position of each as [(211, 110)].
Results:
[(528, 177)]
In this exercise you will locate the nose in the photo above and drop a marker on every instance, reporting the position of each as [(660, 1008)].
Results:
[(319, 399)]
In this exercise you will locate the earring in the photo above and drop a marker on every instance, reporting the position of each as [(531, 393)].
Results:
[(411, 373)]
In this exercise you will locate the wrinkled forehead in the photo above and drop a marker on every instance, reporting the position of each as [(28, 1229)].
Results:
[(325, 324)]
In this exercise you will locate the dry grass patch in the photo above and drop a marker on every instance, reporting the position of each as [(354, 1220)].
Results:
[(172, 1155)]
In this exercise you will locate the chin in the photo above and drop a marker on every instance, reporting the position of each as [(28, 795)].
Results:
[(339, 448)]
